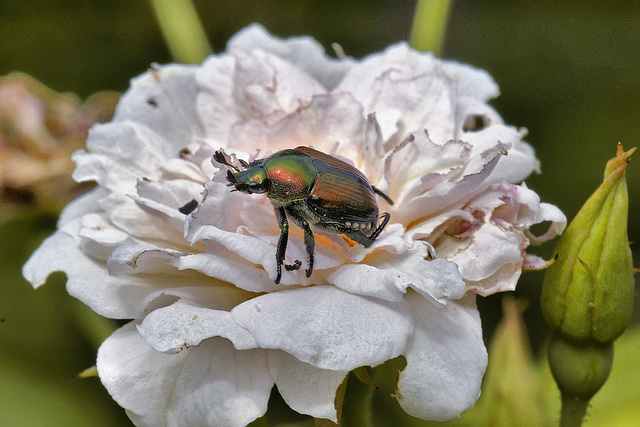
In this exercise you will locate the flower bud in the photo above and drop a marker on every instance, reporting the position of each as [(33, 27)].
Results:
[(510, 391), (587, 294)]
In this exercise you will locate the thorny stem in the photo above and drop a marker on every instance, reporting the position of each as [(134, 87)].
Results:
[(574, 409)]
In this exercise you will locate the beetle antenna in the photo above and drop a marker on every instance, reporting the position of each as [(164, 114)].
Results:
[(243, 163), (381, 194), (231, 179), (222, 158)]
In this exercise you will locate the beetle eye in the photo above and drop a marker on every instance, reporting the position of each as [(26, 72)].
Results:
[(256, 187)]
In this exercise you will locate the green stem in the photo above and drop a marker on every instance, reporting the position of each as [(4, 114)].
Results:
[(182, 30), (429, 25), (573, 410), (580, 370)]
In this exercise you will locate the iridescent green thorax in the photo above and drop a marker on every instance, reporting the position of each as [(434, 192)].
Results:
[(291, 175)]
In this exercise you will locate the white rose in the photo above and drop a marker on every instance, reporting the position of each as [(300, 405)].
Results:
[(211, 332)]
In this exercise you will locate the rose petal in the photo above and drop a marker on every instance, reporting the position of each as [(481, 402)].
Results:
[(183, 169), (97, 236), (271, 84), (535, 263), (388, 276), (430, 226), (490, 249), (520, 160), (123, 297), (243, 275), (87, 279), (373, 151), (250, 248), (305, 388), (470, 81), (327, 327), (558, 220), (304, 52), (470, 110), (173, 193), (127, 215), (241, 86), (119, 154), (229, 211), (502, 280), (212, 384), (412, 82), (181, 325), (445, 195), (162, 100), (140, 259), (261, 249), (446, 360), (85, 204), (334, 121), (216, 105), (417, 165)]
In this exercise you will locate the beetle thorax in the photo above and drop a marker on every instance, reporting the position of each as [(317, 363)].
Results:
[(287, 184)]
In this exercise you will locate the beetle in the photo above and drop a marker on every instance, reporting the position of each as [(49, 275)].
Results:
[(311, 188)]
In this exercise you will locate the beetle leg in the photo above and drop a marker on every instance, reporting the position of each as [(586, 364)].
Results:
[(309, 240), (385, 219), (282, 242), (365, 240), (381, 194)]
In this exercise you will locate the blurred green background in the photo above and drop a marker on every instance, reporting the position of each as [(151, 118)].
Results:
[(569, 73)]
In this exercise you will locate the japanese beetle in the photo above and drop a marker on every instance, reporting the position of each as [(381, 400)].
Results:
[(312, 189)]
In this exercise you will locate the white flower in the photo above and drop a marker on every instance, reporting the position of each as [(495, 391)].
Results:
[(211, 332)]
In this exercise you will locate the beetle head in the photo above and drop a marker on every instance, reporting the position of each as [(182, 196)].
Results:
[(252, 180)]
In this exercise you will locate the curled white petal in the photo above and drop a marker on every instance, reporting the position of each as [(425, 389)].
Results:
[(162, 99), (305, 388), (389, 276), (212, 384), (181, 325), (326, 327), (489, 250), (446, 359), (242, 275), (558, 220), (304, 52), (403, 79), (471, 82), (138, 259), (86, 279)]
